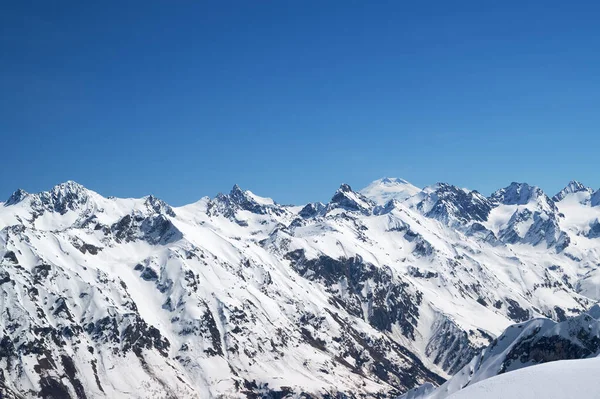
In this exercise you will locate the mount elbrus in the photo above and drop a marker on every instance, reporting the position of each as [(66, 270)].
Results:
[(372, 294)]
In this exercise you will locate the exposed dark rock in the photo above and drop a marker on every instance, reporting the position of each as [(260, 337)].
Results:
[(312, 210), (516, 312), (390, 301), (573, 187), (4, 277), (148, 274), (449, 203), (51, 388), (71, 373), (11, 257), (345, 198), (158, 206), (450, 346), (16, 197), (156, 229), (594, 231)]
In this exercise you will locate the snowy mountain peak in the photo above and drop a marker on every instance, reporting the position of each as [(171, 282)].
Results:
[(61, 198), (345, 188), (16, 197), (159, 206), (518, 194), (347, 199), (246, 196), (385, 189), (67, 192), (451, 204), (62, 193), (236, 190), (312, 209), (69, 186), (524, 194), (573, 187), (245, 200)]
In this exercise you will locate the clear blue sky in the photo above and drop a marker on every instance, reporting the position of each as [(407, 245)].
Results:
[(291, 98)]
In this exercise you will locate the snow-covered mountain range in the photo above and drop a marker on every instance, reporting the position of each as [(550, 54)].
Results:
[(372, 294)]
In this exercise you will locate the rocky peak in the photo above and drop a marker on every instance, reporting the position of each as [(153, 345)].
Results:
[(239, 199), (237, 193), (345, 188), (64, 197), (16, 197), (347, 199), (60, 199), (312, 209), (387, 207), (67, 187), (536, 221), (449, 204), (159, 206), (523, 194), (517, 194), (573, 187)]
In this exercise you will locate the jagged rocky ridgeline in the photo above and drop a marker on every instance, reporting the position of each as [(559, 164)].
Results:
[(372, 294)]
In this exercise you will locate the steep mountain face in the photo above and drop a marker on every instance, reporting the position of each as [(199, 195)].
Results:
[(348, 200), (595, 199), (372, 294), (453, 205), (534, 217), (523, 194), (524, 345)]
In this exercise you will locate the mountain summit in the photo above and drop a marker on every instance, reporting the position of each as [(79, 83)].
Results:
[(573, 187), (386, 189)]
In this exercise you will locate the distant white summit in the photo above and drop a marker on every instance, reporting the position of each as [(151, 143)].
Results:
[(388, 188)]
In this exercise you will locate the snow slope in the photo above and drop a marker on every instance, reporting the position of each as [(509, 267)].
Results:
[(521, 346), (558, 380), (385, 189), (371, 294)]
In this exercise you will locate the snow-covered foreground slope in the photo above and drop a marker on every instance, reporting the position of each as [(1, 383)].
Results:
[(576, 379), (238, 296), (521, 346)]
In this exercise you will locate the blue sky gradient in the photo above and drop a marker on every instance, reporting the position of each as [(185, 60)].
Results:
[(292, 98)]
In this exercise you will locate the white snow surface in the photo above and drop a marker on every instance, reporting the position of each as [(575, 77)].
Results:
[(572, 379), (386, 189)]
